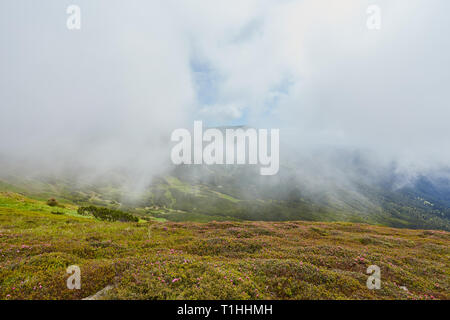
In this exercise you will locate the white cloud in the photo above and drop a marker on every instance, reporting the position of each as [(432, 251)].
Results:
[(385, 91), (112, 91), (223, 112)]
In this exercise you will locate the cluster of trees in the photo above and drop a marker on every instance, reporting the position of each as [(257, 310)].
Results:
[(107, 214)]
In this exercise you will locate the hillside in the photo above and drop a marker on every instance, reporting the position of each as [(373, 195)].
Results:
[(215, 260), (224, 193)]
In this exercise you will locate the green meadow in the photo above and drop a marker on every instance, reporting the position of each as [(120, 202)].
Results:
[(158, 259)]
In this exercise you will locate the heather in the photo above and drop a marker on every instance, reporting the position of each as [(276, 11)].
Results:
[(214, 260)]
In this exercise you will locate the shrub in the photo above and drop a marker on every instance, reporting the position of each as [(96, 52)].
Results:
[(52, 202), (107, 214)]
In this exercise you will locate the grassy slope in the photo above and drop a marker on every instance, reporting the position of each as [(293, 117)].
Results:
[(174, 199), (232, 260)]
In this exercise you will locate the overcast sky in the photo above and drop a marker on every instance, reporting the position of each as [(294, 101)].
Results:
[(110, 93)]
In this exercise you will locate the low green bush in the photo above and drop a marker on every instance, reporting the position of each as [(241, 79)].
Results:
[(106, 214)]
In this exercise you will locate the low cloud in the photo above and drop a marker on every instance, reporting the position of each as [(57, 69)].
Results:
[(108, 96)]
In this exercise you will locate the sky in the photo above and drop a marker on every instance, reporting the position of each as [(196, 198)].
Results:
[(108, 95)]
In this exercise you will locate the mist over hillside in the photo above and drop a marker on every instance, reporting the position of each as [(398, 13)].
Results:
[(86, 115), (329, 186)]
